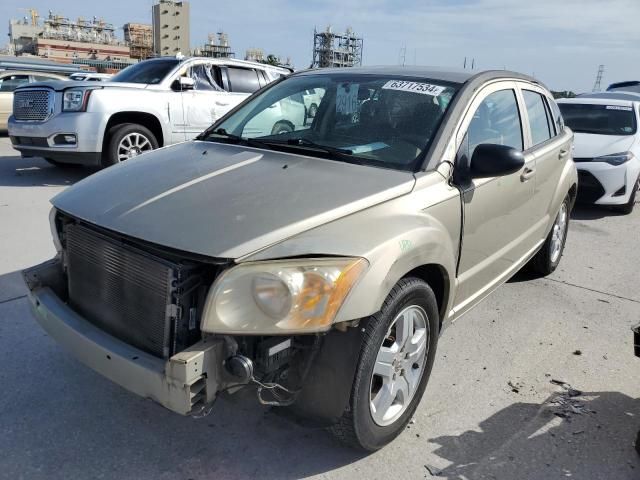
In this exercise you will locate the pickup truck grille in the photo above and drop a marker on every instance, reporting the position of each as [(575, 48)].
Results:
[(134, 296), (33, 105)]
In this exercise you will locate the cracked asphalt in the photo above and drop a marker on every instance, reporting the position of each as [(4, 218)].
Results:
[(537, 382)]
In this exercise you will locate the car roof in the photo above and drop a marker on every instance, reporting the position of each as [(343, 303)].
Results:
[(222, 61), (615, 98), (434, 73)]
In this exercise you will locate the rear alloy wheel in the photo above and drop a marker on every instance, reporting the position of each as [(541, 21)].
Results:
[(127, 141), (627, 208), (397, 354), (548, 258)]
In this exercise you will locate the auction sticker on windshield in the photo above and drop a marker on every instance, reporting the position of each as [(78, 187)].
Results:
[(619, 107), (414, 87)]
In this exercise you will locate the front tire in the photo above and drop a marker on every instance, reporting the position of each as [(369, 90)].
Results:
[(395, 362), (548, 257), (126, 141)]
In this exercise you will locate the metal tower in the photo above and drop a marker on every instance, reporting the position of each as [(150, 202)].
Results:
[(336, 50), (597, 86)]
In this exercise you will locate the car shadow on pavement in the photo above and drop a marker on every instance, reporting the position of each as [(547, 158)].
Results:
[(37, 172), (592, 212), (589, 435)]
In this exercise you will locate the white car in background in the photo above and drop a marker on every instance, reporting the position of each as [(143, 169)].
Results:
[(607, 146), (90, 77)]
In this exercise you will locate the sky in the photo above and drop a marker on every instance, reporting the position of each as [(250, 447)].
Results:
[(561, 43)]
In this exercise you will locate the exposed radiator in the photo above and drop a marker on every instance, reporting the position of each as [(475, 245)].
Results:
[(144, 300)]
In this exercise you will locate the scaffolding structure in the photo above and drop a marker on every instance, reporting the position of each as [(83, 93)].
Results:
[(139, 36), (335, 49), (217, 46)]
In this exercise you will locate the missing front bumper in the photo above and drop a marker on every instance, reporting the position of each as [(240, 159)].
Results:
[(186, 383)]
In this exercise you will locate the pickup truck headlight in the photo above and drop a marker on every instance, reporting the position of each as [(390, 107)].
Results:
[(75, 99), (615, 159), (280, 297)]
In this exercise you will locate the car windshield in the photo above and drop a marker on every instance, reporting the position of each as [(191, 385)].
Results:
[(380, 120), (150, 71), (599, 119)]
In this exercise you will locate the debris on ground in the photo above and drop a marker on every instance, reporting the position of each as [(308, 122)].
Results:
[(434, 472), (567, 403), (577, 352), (514, 388)]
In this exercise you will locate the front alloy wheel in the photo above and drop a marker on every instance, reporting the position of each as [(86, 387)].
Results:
[(399, 366), (397, 354)]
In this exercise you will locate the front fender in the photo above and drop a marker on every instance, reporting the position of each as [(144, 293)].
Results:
[(395, 237)]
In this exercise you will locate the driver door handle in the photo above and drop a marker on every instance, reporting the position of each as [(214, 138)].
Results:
[(563, 154), (527, 174)]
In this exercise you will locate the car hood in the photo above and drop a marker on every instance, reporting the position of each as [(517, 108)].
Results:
[(226, 201), (59, 85), (588, 145)]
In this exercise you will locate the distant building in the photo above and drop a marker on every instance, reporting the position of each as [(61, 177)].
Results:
[(139, 36), (254, 55), (171, 28), (336, 49), (91, 43), (217, 46), (23, 34)]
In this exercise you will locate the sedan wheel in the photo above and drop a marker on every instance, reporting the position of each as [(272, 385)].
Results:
[(399, 366), (397, 354), (559, 232)]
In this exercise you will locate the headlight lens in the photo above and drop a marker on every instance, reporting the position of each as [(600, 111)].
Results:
[(291, 296), (615, 159), (75, 100)]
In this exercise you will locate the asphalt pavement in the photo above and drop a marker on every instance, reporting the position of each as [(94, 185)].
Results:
[(538, 382)]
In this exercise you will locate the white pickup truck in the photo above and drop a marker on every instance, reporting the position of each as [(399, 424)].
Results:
[(151, 104)]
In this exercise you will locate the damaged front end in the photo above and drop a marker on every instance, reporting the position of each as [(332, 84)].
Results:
[(133, 313)]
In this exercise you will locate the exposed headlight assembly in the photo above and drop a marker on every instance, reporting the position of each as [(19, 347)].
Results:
[(75, 99), (280, 297), (615, 159)]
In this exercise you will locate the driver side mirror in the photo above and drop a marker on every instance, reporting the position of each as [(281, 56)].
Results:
[(490, 160), (184, 83)]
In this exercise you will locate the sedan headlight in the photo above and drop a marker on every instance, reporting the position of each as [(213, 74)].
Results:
[(75, 99), (280, 297), (615, 159)]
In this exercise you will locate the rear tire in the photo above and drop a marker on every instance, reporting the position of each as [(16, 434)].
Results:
[(362, 426), (627, 208), (548, 257), (127, 140)]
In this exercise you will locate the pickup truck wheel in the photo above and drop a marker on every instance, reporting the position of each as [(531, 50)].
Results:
[(395, 362), (282, 127), (627, 208), (548, 257), (126, 141)]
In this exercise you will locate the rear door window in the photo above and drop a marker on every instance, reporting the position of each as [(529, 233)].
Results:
[(243, 80), (539, 121)]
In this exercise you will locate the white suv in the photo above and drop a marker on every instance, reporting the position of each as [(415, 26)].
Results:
[(607, 146), (151, 104)]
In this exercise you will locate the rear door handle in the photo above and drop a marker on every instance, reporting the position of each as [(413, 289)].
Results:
[(527, 174), (563, 154)]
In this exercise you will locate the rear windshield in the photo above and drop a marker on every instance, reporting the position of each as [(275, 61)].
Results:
[(150, 71), (599, 119)]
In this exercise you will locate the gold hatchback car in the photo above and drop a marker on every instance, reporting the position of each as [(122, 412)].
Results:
[(318, 265)]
